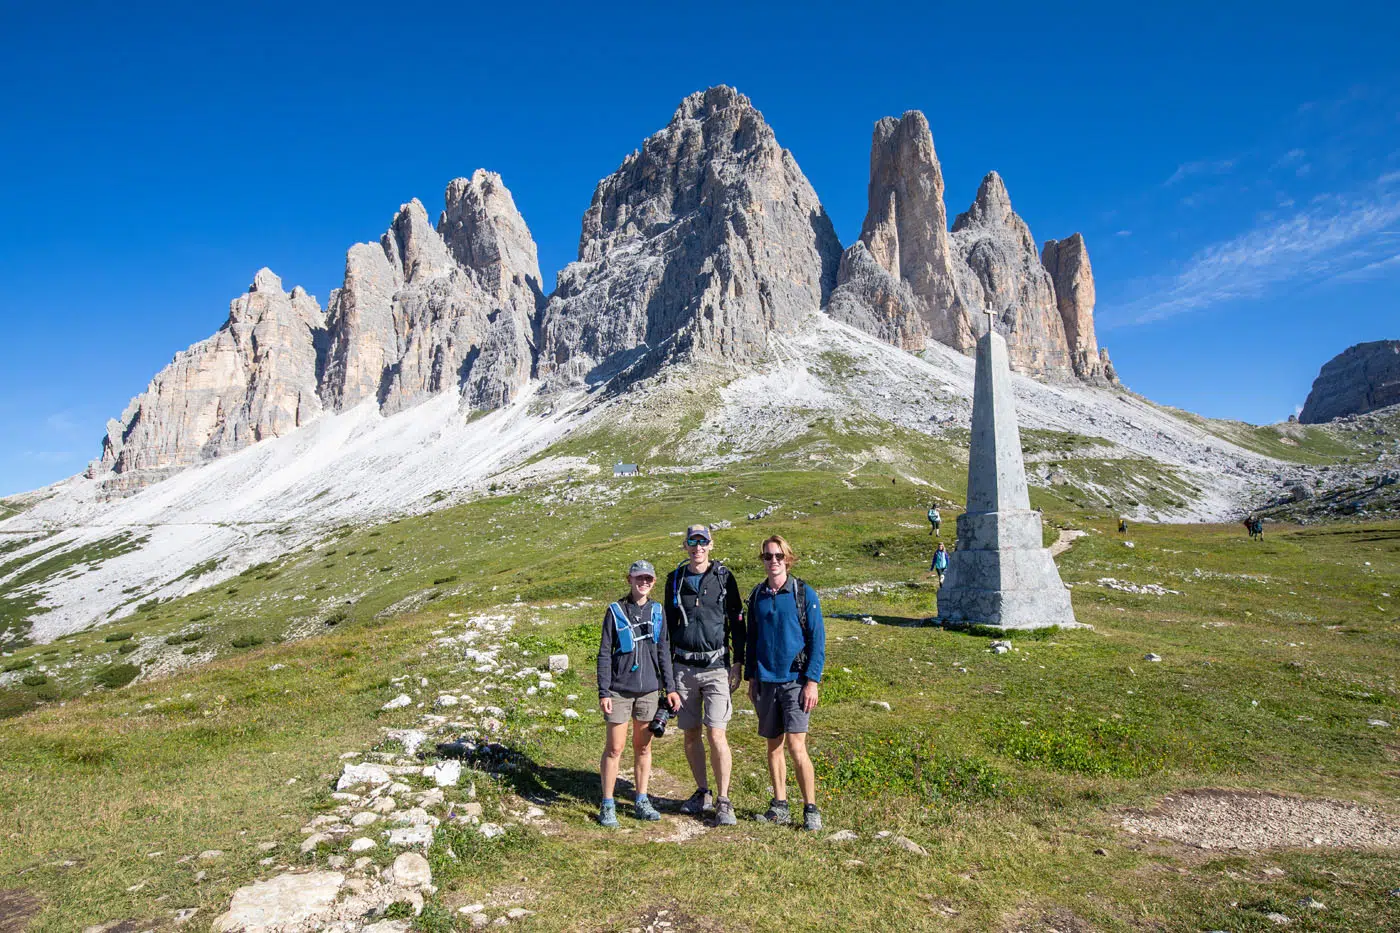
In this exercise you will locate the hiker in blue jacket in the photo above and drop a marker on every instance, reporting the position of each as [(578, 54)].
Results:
[(940, 562), (783, 665), (634, 662)]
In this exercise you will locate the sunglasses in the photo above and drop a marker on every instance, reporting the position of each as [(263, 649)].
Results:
[(772, 556), (697, 542), (642, 579)]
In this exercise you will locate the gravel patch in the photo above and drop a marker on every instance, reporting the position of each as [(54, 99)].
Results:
[(1213, 819)]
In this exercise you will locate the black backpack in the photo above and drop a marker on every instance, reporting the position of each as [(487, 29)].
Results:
[(799, 593)]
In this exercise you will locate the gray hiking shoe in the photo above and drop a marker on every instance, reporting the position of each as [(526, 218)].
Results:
[(643, 810), (607, 815), (777, 813), (811, 818), (698, 803), (724, 812)]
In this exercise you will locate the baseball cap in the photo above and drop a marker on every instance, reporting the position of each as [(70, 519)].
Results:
[(641, 567), (698, 531)]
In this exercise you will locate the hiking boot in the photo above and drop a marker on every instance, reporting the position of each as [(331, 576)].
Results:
[(698, 803), (643, 810), (811, 818), (724, 812), (607, 814), (777, 813)]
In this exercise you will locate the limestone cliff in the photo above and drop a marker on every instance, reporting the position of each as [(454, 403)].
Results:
[(254, 379), (1067, 262), (417, 313), (703, 242), (1361, 378), (905, 236), (1000, 269)]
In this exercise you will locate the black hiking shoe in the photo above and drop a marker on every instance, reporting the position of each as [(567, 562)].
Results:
[(777, 813), (698, 802)]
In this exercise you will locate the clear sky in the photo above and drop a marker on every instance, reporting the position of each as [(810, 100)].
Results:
[(1235, 168)]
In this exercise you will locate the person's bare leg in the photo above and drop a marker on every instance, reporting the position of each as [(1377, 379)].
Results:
[(641, 755), (695, 756), (612, 754), (719, 755), (777, 768), (802, 766)]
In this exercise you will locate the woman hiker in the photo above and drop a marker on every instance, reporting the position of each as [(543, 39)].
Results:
[(634, 662), (940, 562)]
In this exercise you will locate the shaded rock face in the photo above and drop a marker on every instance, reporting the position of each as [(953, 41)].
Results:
[(1361, 378), (701, 244), (1067, 262), (254, 379), (425, 310), (418, 316), (1000, 269), (905, 234)]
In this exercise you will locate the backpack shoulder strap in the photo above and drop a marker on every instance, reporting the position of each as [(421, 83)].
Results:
[(799, 593)]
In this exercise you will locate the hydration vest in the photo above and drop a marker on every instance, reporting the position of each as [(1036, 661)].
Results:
[(630, 634)]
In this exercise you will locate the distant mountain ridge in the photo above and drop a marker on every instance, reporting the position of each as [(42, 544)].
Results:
[(1361, 378), (703, 244)]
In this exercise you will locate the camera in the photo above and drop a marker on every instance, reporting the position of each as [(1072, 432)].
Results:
[(658, 722)]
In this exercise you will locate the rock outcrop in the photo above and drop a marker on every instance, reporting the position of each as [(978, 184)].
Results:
[(254, 379), (909, 280), (905, 236), (1361, 378), (437, 309), (425, 310), (1000, 269), (1067, 261), (705, 241)]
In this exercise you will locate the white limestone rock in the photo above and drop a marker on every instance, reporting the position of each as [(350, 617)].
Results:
[(288, 901), (1000, 269), (254, 379), (704, 242), (410, 870)]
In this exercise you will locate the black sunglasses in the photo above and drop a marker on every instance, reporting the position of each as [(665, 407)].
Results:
[(772, 556), (644, 579)]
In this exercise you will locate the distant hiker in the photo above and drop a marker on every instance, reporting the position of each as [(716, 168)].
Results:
[(705, 622), (935, 521), (634, 662), (1122, 526), (1256, 528), (940, 562), (783, 665)]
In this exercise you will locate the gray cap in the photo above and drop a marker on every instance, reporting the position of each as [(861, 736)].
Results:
[(699, 531), (641, 567)]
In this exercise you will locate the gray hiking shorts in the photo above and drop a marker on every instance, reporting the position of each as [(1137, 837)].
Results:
[(638, 706), (779, 709), (704, 697)]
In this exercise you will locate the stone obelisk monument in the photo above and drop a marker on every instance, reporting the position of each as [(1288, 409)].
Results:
[(1000, 574)]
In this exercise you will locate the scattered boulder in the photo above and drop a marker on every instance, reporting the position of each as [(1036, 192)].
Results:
[(283, 902), (410, 870)]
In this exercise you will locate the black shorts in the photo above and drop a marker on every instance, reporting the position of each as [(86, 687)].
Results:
[(779, 709)]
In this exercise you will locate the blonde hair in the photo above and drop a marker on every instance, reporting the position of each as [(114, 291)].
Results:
[(789, 558)]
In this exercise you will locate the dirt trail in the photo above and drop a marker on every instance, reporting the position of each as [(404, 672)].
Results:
[(1065, 541)]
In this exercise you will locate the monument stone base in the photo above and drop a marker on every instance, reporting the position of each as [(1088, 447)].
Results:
[(1001, 575)]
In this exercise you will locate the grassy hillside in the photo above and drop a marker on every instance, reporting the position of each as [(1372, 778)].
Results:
[(1012, 771), (1318, 444)]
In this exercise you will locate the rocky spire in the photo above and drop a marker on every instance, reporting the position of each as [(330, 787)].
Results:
[(703, 242), (1067, 261), (418, 312), (905, 236), (1000, 269), (254, 379)]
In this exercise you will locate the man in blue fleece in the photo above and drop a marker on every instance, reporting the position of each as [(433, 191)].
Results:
[(783, 665)]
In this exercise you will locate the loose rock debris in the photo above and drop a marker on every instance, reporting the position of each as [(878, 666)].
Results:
[(1217, 819)]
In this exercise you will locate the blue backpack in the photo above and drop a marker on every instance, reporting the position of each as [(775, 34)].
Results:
[(629, 635)]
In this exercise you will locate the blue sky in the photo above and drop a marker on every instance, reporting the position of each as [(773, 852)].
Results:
[(1236, 172)]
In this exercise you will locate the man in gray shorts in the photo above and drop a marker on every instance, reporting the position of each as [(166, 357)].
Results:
[(786, 653), (705, 618)]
